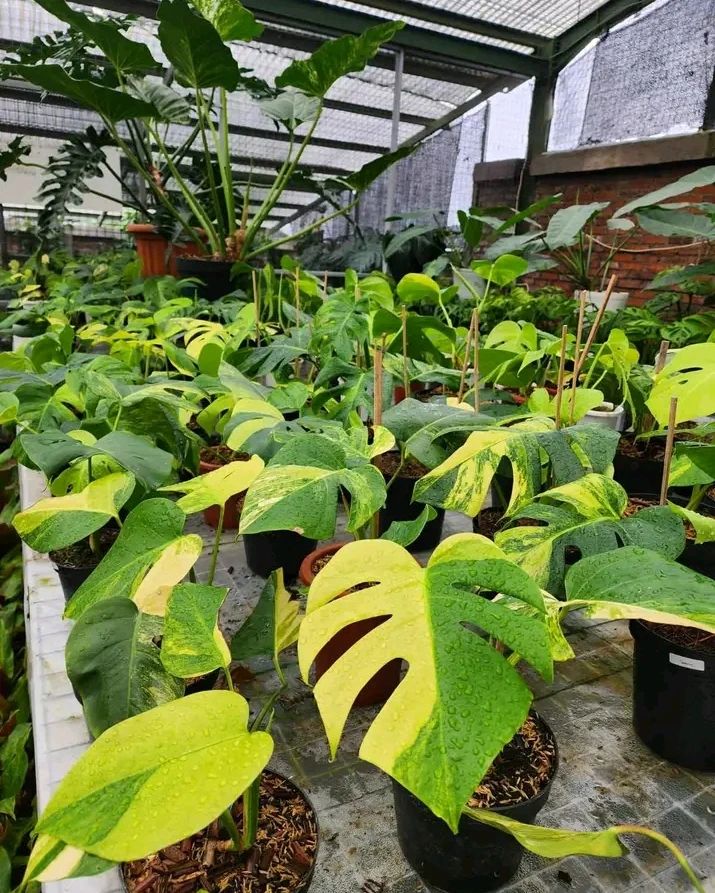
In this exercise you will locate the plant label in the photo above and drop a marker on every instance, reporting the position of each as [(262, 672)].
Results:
[(689, 663)]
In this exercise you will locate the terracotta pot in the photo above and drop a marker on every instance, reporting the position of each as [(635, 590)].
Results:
[(157, 256), (231, 515), (386, 680)]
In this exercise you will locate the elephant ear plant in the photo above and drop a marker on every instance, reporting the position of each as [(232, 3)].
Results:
[(461, 699)]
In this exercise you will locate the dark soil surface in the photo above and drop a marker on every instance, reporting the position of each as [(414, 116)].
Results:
[(388, 463), (80, 555), (280, 861), (221, 455), (685, 636), (437, 390), (488, 522), (636, 503), (521, 771)]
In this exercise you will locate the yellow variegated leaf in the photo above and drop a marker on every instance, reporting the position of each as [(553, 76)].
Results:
[(249, 417), (53, 860), (216, 487), (193, 644), (704, 525), (171, 566)]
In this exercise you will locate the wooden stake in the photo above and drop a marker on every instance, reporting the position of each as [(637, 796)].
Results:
[(465, 364), (256, 306), (583, 295), (377, 389), (562, 372), (325, 285), (668, 458), (660, 359), (596, 323), (405, 370), (475, 347)]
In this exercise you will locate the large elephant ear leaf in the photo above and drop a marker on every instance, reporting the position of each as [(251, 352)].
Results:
[(690, 377), (192, 644), (106, 805), (216, 487), (58, 522), (272, 626), (335, 58), (114, 664), (150, 556), (621, 585), (584, 517), (460, 701), (230, 18)]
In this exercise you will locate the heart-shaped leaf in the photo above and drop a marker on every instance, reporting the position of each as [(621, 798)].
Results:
[(192, 643), (194, 48), (216, 487)]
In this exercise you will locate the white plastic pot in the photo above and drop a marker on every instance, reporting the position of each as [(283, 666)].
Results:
[(613, 417), (617, 301)]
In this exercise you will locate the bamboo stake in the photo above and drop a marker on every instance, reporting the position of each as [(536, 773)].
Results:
[(256, 306), (583, 294), (475, 347), (668, 458), (377, 389), (596, 323), (465, 364), (660, 359), (562, 372), (405, 370), (325, 285)]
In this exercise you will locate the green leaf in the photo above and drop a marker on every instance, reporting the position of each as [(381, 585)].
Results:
[(617, 585), (5, 871), (585, 515), (704, 525), (503, 271), (216, 487), (193, 644), (150, 556), (566, 224), (124, 54), (195, 751), (365, 176), (194, 48), (9, 405), (291, 108), (15, 151), (58, 522), (704, 176), (416, 287), (14, 761), (541, 402), (299, 489), (669, 222), (170, 106), (115, 666), (471, 227), (110, 104), (404, 533), (399, 240), (460, 701), (693, 465), (230, 18), (689, 376), (335, 58), (272, 626)]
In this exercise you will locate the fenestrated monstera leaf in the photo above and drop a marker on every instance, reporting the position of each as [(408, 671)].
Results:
[(641, 584), (216, 487), (358, 445), (150, 556), (58, 522), (192, 643), (106, 805), (586, 515), (298, 490), (115, 665), (689, 376), (461, 700), (272, 626)]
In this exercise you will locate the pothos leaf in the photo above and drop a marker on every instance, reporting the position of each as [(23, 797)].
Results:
[(192, 644)]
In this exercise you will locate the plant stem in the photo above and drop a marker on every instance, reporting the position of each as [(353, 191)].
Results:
[(250, 814), (229, 825), (405, 370), (301, 232), (217, 543), (562, 371), (475, 348), (465, 364), (669, 845), (229, 680), (583, 294)]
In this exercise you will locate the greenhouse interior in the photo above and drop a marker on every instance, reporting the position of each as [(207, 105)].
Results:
[(357, 446)]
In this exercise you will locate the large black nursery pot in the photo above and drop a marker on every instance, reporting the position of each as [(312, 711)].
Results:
[(475, 860), (71, 578), (674, 697), (637, 475), (266, 552), (399, 507), (214, 276)]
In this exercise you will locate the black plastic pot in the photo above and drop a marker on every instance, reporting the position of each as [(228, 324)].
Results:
[(674, 698), (398, 507), (71, 578), (266, 552), (214, 274), (475, 860), (637, 475)]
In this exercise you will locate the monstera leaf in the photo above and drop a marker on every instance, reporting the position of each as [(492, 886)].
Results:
[(273, 625), (61, 521), (150, 556), (617, 585), (299, 489), (586, 515), (106, 805), (690, 377), (115, 666), (192, 643), (216, 487), (249, 419), (461, 700), (693, 465)]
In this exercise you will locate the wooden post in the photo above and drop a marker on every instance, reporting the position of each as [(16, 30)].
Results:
[(475, 348), (660, 359), (583, 295), (562, 372), (325, 285), (668, 458), (596, 324), (465, 364)]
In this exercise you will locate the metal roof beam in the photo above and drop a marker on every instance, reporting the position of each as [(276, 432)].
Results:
[(573, 40)]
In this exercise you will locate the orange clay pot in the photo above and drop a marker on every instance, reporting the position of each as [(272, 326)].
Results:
[(157, 256)]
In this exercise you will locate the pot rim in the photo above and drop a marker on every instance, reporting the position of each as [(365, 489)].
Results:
[(603, 413), (305, 572), (644, 628)]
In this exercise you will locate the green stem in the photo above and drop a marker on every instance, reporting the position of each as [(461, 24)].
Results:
[(202, 112), (669, 845), (231, 829), (229, 680), (302, 232), (217, 543), (250, 814), (224, 160), (696, 496)]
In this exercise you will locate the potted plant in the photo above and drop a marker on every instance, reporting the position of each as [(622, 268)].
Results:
[(461, 701)]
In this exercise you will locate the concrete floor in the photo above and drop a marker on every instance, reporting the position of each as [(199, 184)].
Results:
[(606, 775)]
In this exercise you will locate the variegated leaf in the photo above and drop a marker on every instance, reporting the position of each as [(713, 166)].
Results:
[(216, 487), (193, 644)]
